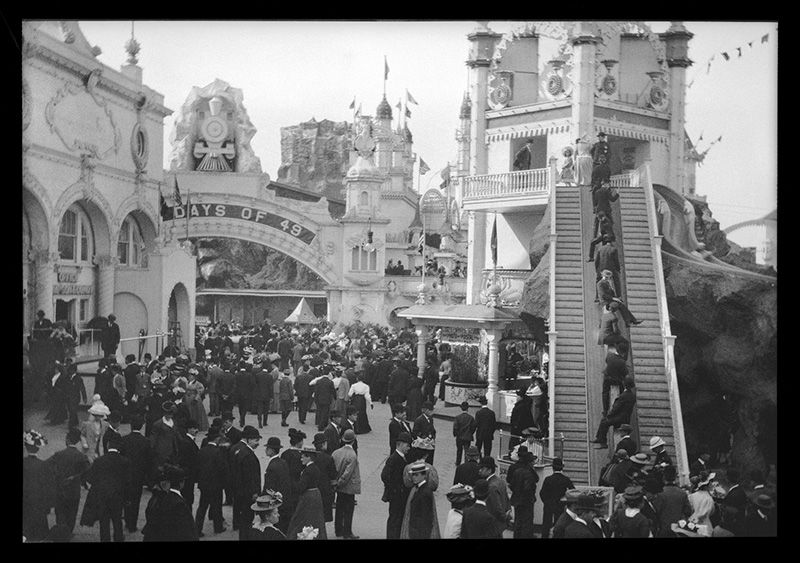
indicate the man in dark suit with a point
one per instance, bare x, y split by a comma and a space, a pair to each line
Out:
247, 481
497, 500
601, 170
69, 467
109, 337
522, 160
522, 482
285, 345
620, 413
608, 296
324, 396
213, 471
226, 383
583, 526
169, 518
467, 472
187, 460
463, 430
671, 504
626, 442
554, 487
348, 423
137, 449
264, 389
421, 506
736, 498
333, 432
109, 477
303, 391
383, 370
398, 383
477, 522
243, 390
423, 427
114, 420
615, 372
606, 257
278, 479
397, 425
395, 492
485, 425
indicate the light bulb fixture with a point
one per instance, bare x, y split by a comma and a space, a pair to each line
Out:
368, 246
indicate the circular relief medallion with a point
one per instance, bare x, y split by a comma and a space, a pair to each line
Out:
658, 97
501, 95
215, 129
555, 85
609, 85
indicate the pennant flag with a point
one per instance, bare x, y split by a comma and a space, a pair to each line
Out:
385, 68
408, 112
176, 194
690, 83
740, 50
165, 212
765, 38
423, 167
750, 44
353, 104
410, 98
358, 111
726, 56
445, 173
718, 139
494, 241
700, 138
399, 105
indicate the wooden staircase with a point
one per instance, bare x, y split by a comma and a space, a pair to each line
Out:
653, 414
570, 389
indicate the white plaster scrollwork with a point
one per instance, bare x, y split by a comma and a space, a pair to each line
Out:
330, 248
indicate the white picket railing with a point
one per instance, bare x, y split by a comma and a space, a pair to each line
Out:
522, 182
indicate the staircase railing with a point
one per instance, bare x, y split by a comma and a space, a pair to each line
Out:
552, 334
644, 177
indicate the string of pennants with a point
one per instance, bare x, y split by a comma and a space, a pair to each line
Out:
727, 55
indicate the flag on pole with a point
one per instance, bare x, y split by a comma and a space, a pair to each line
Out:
399, 105
353, 103
358, 111
494, 241
410, 98
445, 174
408, 112
385, 69
163, 205
176, 193
708, 68
740, 50
726, 56
765, 38
718, 139
423, 167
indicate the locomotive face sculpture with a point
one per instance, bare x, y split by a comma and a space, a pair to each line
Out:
215, 146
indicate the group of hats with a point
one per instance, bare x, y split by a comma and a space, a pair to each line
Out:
33, 438
459, 492
270, 500
423, 443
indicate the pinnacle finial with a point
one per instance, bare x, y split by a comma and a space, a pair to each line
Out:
132, 47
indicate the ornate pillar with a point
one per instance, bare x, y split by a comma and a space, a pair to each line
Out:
584, 52
45, 262
677, 51
106, 267
483, 41
492, 396
422, 340
476, 255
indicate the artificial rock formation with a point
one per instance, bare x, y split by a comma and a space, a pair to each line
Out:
315, 155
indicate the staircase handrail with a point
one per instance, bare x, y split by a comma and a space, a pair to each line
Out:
552, 334
666, 332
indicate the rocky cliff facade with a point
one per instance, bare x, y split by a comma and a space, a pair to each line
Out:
315, 155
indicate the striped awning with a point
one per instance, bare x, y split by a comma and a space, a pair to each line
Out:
527, 130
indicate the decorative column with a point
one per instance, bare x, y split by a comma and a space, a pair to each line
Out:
45, 262
677, 51
476, 255
583, 76
483, 41
422, 340
106, 268
493, 336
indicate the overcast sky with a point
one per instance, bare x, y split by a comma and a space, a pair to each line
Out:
290, 72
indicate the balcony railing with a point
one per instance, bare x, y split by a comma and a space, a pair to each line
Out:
520, 183
625, 180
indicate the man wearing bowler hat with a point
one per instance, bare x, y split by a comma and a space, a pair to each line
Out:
109, 337
395, 492
423, 427
600, 156
497, 500
522, 480
586, 508
247, 480
212, 474
760, 520
467, 472
277, 478
477, 521
169, 517
348, 485
626, 442
485, 425
554, 487
522, 160
164, 436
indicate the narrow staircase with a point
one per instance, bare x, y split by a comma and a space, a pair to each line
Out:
653, 414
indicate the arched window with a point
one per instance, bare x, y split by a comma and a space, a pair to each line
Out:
75, 237
130, 244
363, 198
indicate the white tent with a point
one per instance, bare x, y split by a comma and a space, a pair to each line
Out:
302, 314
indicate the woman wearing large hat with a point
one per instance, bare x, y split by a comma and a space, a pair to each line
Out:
93, 430
628, 521
267, 516
702, 504
37, 488
460, 497
309, 511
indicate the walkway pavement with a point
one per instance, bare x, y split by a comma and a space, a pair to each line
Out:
370, 515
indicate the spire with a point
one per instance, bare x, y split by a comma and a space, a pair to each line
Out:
466, 107
384, 110
132, 47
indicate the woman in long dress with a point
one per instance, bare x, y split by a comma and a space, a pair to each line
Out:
568, 169
414, 397
309, 511
583, 162
92, 430
361, 399
194, 402
702, 504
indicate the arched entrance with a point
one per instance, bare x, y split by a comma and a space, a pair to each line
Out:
35, 248
131, 322
178, 312
399, 322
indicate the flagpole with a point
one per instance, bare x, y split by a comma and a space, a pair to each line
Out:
188, 203
494, 253
419, 169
